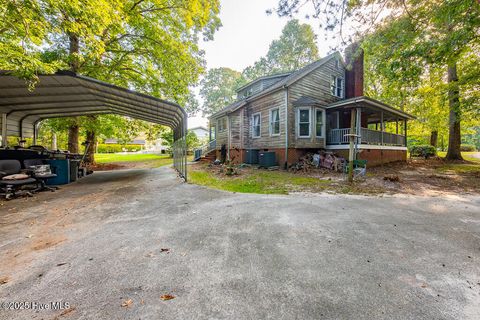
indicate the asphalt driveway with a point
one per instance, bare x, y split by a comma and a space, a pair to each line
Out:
113, 244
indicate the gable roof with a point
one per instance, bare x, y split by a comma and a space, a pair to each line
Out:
287, 81
271, 76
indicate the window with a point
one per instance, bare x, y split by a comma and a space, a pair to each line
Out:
319, 116
337, 64
256, 130
222, 124
303, 127
275, 122
336, 86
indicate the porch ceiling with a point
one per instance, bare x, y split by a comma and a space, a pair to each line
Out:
372, 109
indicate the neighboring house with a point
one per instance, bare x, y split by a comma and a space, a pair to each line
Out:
308, 110
202, 133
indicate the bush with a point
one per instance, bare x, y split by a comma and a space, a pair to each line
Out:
425, 151
115, 147
467, 148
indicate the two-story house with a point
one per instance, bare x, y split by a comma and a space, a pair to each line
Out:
307, 110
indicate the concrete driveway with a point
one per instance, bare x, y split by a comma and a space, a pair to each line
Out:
129, 237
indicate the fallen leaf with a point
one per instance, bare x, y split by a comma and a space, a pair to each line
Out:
4, 280
127, 303
61, 264
424, 285
165, 250
166, 297
150, 255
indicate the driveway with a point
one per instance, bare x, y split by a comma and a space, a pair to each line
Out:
130, 237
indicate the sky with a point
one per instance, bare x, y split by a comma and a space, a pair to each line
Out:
246, 35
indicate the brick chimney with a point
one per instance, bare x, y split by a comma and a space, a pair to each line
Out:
354, 71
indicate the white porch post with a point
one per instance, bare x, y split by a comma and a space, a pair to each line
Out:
359, 125
381, 126
4, 130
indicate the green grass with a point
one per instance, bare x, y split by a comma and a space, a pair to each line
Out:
466, 156
461, 168
263, 182
152, 160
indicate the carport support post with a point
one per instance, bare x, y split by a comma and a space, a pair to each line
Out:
4, 130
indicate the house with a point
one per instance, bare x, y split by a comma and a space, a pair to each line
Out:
202, 133
308, 110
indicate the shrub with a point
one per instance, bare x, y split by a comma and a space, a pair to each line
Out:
115, 147
467, 147
425, 151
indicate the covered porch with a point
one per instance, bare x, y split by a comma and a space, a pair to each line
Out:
375, 123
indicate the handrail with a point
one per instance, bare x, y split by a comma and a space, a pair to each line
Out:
200, 152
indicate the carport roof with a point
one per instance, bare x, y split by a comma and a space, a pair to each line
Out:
65, 94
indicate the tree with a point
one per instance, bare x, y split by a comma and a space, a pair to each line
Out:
147, 45
295, 48
443, 32
217, 89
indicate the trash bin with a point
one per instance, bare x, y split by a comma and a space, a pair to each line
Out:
62, 169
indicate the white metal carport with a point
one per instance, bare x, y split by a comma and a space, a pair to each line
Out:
66, 94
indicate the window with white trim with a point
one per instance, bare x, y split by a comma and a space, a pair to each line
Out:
319, 122
336, 86
275, 121
256, 129
303, 122
222, 124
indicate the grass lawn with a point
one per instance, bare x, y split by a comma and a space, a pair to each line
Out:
258, 181
461, 168
151, 160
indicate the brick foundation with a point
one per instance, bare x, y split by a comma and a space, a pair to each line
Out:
374, 157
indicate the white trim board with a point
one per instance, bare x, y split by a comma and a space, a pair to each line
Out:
364, 146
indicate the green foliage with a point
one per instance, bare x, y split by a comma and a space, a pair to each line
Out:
425, 151
192, 140
295, 48
115, 147
468, 148
217, 89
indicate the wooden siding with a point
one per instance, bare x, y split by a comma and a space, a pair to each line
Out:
315, 85
263, 106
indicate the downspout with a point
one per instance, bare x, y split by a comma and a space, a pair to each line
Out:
286, 127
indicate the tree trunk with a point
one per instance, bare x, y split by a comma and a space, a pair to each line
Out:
434, 138
74, 65
91, 140
73, 138
454, 135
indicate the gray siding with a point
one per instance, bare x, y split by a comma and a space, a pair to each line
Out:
315, 85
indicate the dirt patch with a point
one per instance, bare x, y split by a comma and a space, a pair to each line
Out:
47, 243
108, 166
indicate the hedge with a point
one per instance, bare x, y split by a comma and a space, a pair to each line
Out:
468, 148
115, 147
425, 151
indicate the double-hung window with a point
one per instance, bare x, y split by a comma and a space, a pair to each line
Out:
274, 122
304, 122
222, 124
319, 122
256, 129
336, 86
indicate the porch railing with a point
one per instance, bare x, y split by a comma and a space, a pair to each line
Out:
205, 149
367, 136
